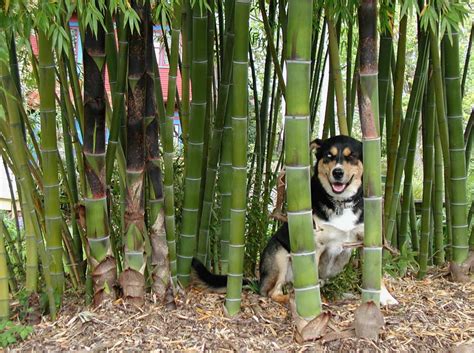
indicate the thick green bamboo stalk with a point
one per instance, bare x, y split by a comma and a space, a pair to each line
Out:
4, 277
186, 36
239, 156
454, 112
412, 109
369, 110
297, 159
336, 71
428, 126
194, 155
49, 153
392, 140
132, 279
101, 259
438, 202
224, 89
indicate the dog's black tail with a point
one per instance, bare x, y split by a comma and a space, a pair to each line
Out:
204, 278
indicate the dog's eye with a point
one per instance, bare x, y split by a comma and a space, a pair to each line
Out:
329, 156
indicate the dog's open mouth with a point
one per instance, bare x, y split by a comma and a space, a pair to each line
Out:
338, 188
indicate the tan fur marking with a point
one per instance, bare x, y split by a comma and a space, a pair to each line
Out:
324, 169
347, 151
333, 150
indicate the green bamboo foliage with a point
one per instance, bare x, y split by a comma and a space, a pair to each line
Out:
194, 154
4, 293
222, 104
239, 156
368, 107
458, 201
167, 133
49, 154
132, 279
102, 261
428, 126
297, 159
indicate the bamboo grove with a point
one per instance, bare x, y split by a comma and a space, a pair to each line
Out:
115, 201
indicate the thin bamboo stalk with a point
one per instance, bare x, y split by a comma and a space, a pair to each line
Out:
408, 124
392, 140
466, 61
407, 187
437, 203
224, 89
4, 278
428, 126
336, 71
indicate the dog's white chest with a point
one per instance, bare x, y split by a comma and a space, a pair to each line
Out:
345, 221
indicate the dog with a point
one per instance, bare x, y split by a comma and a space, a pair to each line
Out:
338, 219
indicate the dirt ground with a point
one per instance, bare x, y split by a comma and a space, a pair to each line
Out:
434, 315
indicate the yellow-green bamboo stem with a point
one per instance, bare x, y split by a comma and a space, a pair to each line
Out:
49, 153
239, 156
297, 158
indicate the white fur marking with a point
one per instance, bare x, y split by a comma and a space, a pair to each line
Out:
345, 222
386, 298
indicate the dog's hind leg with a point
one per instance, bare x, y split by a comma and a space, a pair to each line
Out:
282, 267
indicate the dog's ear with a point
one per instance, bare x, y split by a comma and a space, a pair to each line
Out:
315, 144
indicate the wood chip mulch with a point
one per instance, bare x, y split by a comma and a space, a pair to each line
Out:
434, 315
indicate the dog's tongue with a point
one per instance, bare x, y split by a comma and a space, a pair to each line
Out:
338, 187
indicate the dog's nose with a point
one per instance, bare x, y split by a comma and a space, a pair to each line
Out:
338, 173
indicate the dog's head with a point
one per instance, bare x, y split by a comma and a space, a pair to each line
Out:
339, 165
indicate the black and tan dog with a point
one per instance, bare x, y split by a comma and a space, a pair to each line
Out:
338, 215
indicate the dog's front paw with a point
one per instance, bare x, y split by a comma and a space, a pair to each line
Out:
386, 298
